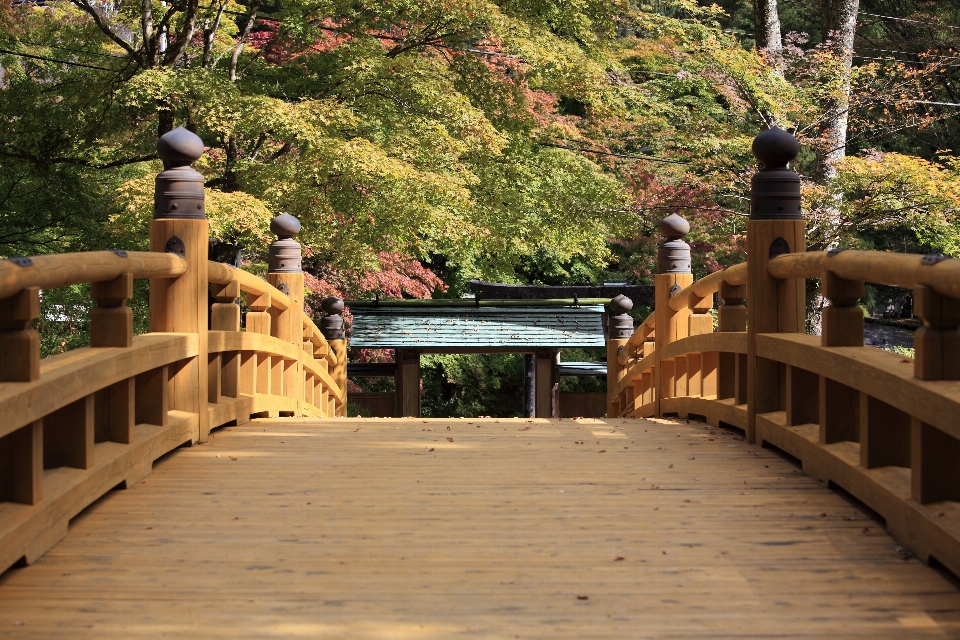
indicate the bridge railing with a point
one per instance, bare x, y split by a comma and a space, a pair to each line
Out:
77, 424
883, 427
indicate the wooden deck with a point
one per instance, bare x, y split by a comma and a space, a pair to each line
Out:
407, 528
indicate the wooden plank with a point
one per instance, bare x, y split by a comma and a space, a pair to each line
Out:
486, 536
115, 412
884, 434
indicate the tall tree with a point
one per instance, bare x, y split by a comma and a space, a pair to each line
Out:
767, 28
839, 28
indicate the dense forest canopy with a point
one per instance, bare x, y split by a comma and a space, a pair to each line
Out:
425, 143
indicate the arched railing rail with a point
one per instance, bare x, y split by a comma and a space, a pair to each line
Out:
75, 425
883, 427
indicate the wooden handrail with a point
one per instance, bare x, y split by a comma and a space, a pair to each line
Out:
894, 269
65, 269
316, 337
708, 285
220, 273
640, 334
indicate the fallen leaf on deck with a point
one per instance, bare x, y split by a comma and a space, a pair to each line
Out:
357, 429
449, 439
618, 558
429, 449
670, 466
232, 458
602, 451
524, 429
583, 597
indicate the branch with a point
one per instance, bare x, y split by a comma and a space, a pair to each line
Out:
82, 4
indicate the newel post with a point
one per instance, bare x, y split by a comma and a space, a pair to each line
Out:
331, 326
775, 227
179, 305
674, 274
285, 273
619, 330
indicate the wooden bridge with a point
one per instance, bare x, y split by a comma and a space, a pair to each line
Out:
819, 480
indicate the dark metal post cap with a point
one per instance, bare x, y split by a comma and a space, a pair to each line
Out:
674, 226
179, 148
621, 304
332, 305
285, 226
775, 148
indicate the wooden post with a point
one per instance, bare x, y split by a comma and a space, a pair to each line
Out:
775, 306
286, 274
937, 342
179, 305
619, 330
673, 276
529, 385
225, 316
546, 366
331, 326
19, 341
111, 322
842, 319
408, 383
731, 316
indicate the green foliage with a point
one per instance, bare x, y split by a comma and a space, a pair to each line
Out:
472, 385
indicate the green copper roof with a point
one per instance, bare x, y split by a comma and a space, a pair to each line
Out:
522, 327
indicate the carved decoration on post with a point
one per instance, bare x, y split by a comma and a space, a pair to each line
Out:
620, 322
179, 187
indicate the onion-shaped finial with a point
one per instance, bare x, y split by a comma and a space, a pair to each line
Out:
674, 226
332, 305
285, 226
774, 148
621, 304
179, 148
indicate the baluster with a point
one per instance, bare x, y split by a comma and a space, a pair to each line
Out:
225, 316
21, 452
935, 474
19, 341
180, 226
731, 316
111, 325
842, 318
937, 343
775, 226
619, 330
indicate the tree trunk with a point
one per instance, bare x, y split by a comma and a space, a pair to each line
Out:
767, 28
839, 27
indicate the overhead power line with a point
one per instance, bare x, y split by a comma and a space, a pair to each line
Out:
46, 59
926, 22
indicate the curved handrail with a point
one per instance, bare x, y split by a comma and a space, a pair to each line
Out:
65, 269
708, 285
318, 340
629, 351
220, 273
894, 269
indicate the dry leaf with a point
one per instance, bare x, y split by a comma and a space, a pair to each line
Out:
670, 466
618, 558
583, 597
524, 429
232, 458
602, 451
429, 449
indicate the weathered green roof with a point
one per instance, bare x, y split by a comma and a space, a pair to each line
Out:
438, 327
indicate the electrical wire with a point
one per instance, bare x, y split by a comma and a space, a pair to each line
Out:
44, 58
926, 22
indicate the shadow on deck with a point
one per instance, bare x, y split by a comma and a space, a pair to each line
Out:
379, 528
